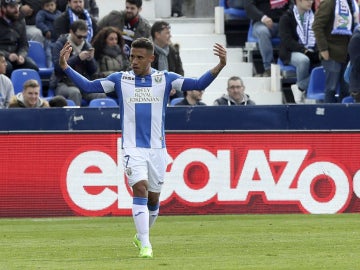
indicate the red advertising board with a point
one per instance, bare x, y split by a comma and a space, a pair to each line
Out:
81, 174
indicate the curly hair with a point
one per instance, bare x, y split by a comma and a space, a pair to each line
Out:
99, 41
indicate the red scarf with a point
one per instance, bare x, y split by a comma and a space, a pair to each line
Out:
278, 3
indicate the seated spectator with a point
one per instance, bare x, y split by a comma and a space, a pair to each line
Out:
109, 51
45, 22
81, 59
29, 97
58, 101
167, 56
298, 45
131, 24
354, 53
89, 5
75, 11
28, 11
265, 15
235, 94
192, 98
13, 40
6, 86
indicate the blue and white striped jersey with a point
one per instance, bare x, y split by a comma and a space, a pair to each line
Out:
142, 100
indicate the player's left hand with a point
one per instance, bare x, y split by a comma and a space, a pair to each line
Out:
220, 51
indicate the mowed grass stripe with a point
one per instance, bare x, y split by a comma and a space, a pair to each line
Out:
184, 242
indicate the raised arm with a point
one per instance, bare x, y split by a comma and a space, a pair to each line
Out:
219, 51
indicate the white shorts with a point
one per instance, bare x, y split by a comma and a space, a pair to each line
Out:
145, 164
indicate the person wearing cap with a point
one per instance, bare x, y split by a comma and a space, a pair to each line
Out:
29, 97
131, 24
13, 40
167, 56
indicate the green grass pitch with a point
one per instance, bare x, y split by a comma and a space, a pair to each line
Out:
184, 242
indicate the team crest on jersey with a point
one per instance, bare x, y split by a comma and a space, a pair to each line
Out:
158, 78
128, 171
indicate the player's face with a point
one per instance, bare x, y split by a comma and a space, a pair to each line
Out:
31, 96
141, 60
131, 11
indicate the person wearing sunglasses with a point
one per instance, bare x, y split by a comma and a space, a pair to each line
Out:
81, 59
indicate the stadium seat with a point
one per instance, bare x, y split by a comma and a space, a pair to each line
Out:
316, 88
237, 12
37, 53
348, 99
175, 101
103, 102
287, 71
250, 38
20, 76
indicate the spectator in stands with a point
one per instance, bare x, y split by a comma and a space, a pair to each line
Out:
45, 22
58, 101
298, 45
28, 10
332, 38
89, 5
265, 15
235, 94
6, 86
167, 56
354, 53
81, 59
176, 8
74, 12
29, 97
131, 24
192, 98
13, 40
109, 51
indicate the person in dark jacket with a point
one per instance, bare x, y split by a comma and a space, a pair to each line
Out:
89, 5
75, 11
192, 98
13, 41
236, 94
298, 45
167, 56
81, 59
265, 16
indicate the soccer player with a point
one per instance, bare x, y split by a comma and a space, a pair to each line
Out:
143, 94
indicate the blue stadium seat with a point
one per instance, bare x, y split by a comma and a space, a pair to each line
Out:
237, 12
37, 53
103, 102
316, 88
175, 101
20, 76
348, 99
287, 71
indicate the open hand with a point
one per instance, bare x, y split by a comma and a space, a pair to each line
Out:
64, 55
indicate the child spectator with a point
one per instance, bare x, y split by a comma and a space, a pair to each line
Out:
45, 22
